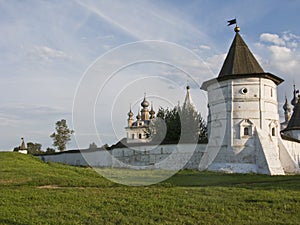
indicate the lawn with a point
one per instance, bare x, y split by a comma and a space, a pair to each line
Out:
34, 192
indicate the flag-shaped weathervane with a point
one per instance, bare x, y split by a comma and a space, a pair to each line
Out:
230, 22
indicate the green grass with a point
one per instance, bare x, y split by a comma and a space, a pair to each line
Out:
33, 192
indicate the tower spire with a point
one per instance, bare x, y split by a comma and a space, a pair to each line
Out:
188, 102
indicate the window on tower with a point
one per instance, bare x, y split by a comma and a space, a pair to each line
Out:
246, 130
271, 92
273, 131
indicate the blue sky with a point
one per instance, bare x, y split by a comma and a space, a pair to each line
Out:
49, 47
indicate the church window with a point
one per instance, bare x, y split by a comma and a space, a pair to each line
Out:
246, 130
140, 136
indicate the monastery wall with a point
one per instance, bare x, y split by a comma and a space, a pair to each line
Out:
293, 149
175, 157
171, 157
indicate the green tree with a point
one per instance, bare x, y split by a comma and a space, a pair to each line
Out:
62, 135
50, 151
16, 149
34, 148
182, 124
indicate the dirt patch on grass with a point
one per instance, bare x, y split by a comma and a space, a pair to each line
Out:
13, 181
49, 186
52, 186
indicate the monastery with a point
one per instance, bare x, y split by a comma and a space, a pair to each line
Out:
245, 134
244, 131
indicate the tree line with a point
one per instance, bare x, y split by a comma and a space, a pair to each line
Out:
178, 125
61, 137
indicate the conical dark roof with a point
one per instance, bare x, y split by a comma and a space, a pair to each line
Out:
239, 59
240, 63
294, 123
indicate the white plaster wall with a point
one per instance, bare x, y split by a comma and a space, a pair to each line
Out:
229, 106
171, 157
293, 149
88, 158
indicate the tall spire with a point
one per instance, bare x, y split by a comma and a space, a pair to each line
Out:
23, 146
188, 102
294, 123
239, 59
240, 63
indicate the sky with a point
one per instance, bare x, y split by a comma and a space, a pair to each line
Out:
87, 61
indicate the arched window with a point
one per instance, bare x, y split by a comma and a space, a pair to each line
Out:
246, 130
273, 126
273, 131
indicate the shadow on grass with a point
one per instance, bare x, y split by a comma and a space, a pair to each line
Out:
10, 222
189, 178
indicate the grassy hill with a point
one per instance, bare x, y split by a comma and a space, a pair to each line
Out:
33, 192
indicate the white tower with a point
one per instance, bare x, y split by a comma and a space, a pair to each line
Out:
23, 148
243, 115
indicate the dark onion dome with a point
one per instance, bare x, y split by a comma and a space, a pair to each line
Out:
286, 105
294, 123
145, 103
295, 99
130, 113
138, 116
152, 112
188, 87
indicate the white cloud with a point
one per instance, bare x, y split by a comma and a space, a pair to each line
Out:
283, 53
48, 54
205, 47
272, 38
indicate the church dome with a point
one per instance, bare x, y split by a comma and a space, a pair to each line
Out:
138, 116
152, 112
286, 105
145, 103
130, 113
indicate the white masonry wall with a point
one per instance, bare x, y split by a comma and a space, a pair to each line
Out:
171, 157
234, 105
294, 150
